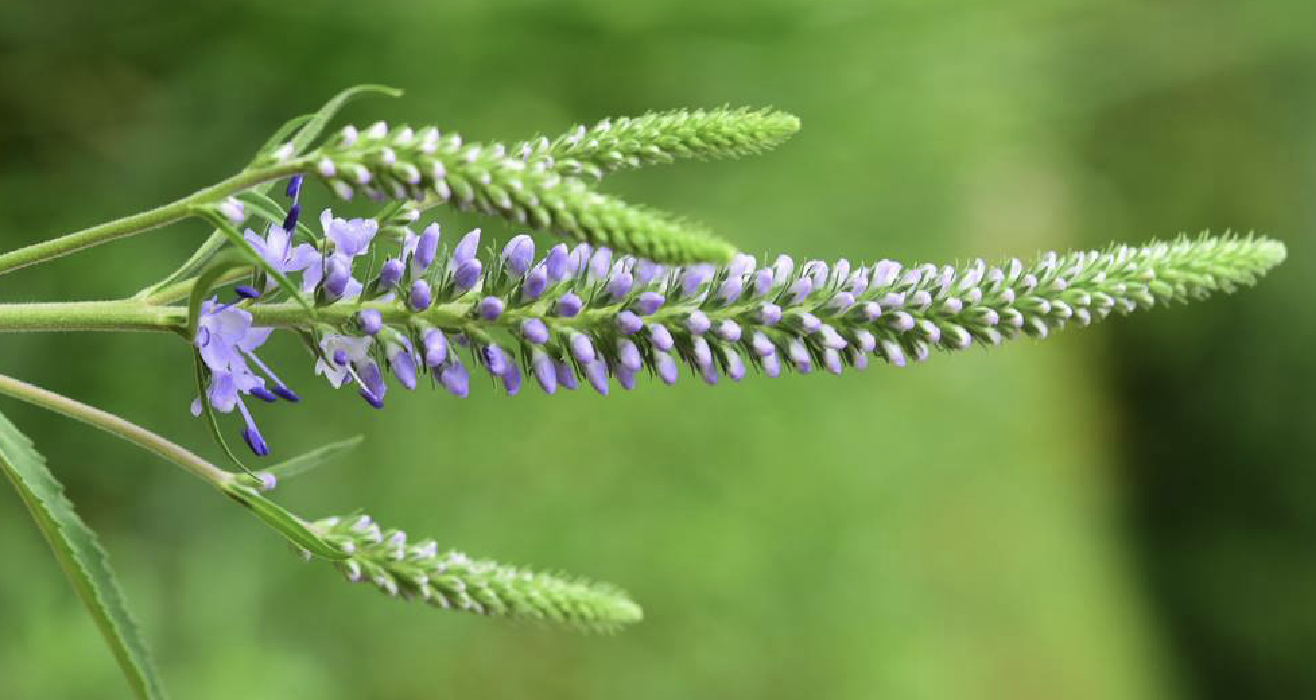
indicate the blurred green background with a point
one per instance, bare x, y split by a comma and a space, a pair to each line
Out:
1122, 512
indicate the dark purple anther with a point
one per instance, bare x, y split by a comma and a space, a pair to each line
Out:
246, 291
294, 188
340, 358
286, 394
255, 441
290, 221
264, 394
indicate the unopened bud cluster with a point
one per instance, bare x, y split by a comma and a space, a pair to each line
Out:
433, 167
417, 570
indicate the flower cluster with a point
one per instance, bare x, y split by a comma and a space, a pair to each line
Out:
432, 167
451, 580
581, 315
660, 137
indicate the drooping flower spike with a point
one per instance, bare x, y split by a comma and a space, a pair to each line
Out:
583, 316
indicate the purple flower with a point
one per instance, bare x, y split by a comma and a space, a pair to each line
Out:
568, 305
597, 374
402, 360
420, 296
535, 283
695, 277
667, 371
489, 308
455, 378
495, 359
620, 285
436, 347
466, 249
648, 302
661, 337
599, 264
557, 262
581, 348
277, 251
391, 273
370, 320
628, 355
534, 331
467, 274
545, 371
518, 254
698, 322
566, 377
628, 323
427, 248
350, 238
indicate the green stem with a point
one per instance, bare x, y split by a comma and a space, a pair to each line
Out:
147, 220
118, 427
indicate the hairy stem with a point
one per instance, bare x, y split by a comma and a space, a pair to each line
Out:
147, 220
118, 427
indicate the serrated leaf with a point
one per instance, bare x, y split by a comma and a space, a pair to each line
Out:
80, 555
315, 458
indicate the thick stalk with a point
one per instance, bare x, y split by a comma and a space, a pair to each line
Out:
147, 220
118, 427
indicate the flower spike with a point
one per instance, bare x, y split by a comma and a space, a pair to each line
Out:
417, 570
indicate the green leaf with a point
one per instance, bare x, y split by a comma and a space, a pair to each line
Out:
315, 458
289, 525
81, 557
282, 134
321, 118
